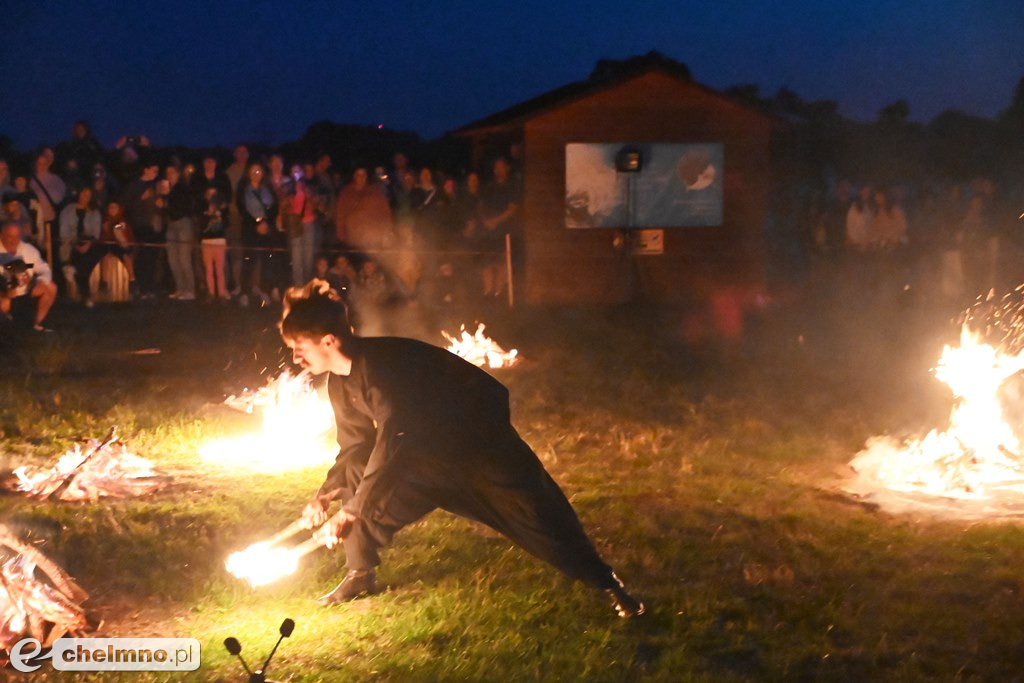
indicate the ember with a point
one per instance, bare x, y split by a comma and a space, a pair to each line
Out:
976, 462
480, 350
105, 469
297, 428
37, 599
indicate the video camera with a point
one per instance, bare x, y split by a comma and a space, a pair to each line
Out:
14, 275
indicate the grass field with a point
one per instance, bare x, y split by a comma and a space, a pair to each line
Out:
708, 476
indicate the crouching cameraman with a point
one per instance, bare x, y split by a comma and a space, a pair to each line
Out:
24, 275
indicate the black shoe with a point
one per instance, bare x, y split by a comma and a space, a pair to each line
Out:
624, 604
356, 584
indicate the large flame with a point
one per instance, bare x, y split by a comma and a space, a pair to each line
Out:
297, 429
978, 456
263, 563
479, 349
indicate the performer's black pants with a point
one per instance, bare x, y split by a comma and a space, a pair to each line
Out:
505, 487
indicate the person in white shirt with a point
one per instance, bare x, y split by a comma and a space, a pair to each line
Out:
36, 282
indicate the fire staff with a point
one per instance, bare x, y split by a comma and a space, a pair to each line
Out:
420, 429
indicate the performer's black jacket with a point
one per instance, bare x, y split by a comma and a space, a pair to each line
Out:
409, 409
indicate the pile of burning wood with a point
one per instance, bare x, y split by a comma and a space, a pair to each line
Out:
103, 469
37, 598
973, 468
479, 349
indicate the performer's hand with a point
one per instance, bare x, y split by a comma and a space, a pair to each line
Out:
335, 529
314, 514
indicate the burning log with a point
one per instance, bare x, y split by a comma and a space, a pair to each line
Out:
37, 598
479, 349
106, 469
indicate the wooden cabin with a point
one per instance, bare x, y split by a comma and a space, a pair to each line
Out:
636, 103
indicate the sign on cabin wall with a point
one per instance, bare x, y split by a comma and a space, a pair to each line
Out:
649, 242
625, 185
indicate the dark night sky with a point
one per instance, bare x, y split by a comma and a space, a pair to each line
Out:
226, 71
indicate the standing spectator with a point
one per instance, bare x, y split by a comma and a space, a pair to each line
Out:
980, 240
949, 215
117, 238
36, 283
499, 209
859, 219
83, 148
213, 242
400, 166
236, 174
181, 235
889, 227
259, 212
50, 192
325, 195
283, 186
5, 178
301, 228
363, 218
212, 177
13, 211
139, 200
103, 190
401, 200
80, 227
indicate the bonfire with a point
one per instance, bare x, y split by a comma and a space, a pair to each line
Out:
479, 349
37, 598
105, 469
974, 467
296, 428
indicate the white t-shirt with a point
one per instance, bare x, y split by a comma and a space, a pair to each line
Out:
29, 254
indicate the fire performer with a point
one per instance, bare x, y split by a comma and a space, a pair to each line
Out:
419, 429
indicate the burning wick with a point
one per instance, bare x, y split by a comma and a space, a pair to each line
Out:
262, 563
265, 562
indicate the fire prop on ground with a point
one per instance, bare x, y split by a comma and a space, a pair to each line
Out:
104, 469
37, 598
480, 350
974, 468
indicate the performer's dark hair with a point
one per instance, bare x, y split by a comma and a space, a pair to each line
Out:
314, 310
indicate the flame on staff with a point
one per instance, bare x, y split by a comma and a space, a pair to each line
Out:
479, 349
978, 456
262, 563
297, 429
266, 561
107, 470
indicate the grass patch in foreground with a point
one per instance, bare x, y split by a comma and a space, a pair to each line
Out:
704, 479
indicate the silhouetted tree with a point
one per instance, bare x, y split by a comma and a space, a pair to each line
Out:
897, 113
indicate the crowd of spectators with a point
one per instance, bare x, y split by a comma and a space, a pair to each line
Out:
945, 241
191, 228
